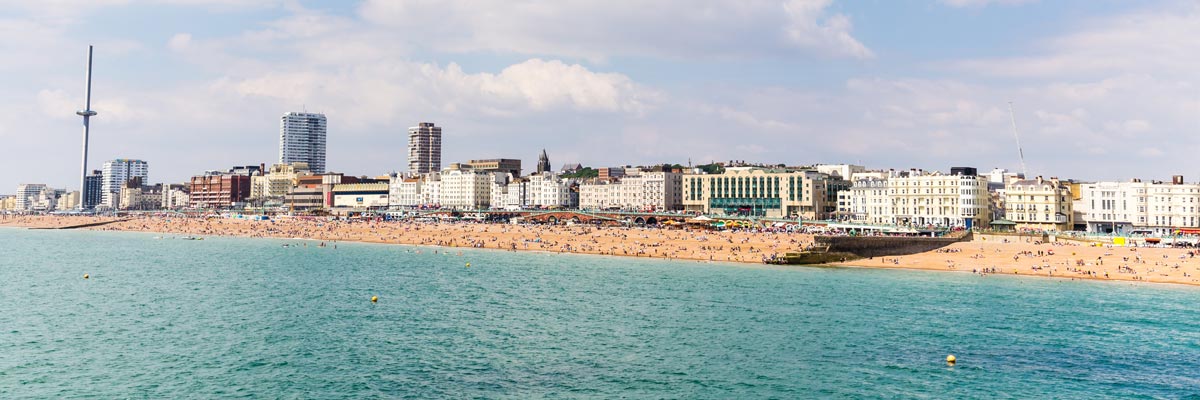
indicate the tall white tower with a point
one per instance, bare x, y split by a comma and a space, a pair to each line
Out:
424, 148
87, 115
302, 139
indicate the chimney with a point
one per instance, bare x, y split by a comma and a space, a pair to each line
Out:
1039, 179
1177, 179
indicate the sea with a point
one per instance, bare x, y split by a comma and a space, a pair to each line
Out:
224, 317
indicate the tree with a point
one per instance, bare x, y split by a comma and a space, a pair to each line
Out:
711, 168
583, 173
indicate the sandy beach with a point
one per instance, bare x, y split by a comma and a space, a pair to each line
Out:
699, 245
985, 255
1025, 255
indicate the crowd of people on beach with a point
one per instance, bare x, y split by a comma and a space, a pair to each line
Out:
983, 255
736, 245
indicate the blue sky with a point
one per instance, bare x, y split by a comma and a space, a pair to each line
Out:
1102, 89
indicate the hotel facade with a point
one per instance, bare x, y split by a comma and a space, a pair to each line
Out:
1039, 204
1135, 206
637, 191
766, 192
958, 199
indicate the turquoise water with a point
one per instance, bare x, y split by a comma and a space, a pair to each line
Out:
232, 317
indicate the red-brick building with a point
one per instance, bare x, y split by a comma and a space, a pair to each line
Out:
219, 191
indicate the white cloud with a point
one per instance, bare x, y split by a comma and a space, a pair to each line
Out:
1146, 42
179, 42
368, 94
597, 30
807, 28
367, 73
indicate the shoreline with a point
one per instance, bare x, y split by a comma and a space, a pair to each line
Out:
635, 242
1013, 256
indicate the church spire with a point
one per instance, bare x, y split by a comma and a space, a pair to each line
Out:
543, 163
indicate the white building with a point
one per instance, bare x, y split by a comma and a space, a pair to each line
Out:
958, 199
361, 196
509, 192
114, 175
404, 192
431, 190
48, 199
599, 195
174, 196
1139, 207
424, 149
465, 189
1039, 204
547, 189
302, 139
639, 191
866, 202
844, 171
27, 195
652, 191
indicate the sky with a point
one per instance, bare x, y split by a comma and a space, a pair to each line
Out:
1100, 89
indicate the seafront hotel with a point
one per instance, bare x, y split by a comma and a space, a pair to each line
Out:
765, 192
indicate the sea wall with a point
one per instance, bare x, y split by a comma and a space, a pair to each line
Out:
881, 246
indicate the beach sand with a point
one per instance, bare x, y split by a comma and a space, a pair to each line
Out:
1067, 259
985, 255
699, 245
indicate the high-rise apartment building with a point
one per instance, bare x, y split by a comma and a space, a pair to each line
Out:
27, 194
92, 194
302, 139
114, 175
424, 148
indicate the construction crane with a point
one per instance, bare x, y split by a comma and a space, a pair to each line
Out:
1020, 151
